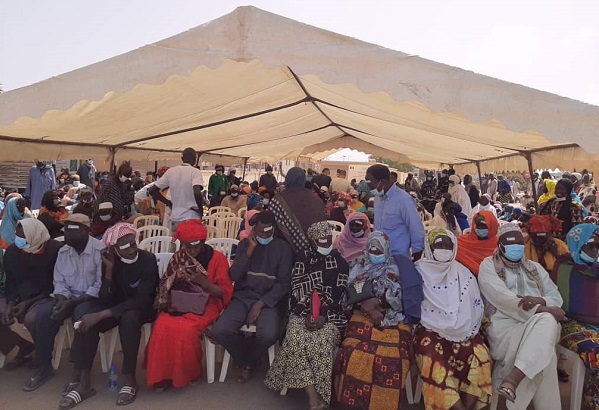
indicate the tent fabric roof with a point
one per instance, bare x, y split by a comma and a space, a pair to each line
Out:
255, 85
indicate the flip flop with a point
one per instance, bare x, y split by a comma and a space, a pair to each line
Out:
162, 386
35, 382
69, 388
126, 395
73, 398
506, 389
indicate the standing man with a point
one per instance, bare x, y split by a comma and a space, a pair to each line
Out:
492, 186
41, 180
262, 275
395, 214
185, 183
233, 180
340, 183
268, 180
87, 173
323, 179
218, 181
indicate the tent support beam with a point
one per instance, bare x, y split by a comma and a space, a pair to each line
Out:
245, 164
111, 158
480, 176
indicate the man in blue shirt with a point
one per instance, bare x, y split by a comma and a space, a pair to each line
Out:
41, 180
395, 214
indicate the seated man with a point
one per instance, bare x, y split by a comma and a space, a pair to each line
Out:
262, 275
29, 266
525, 310
77, 279
234, 200
103, 220
125, 300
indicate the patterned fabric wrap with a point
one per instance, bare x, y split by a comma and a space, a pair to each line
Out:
319, 230
115, 232
577, 238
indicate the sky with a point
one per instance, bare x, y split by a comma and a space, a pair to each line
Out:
551, 45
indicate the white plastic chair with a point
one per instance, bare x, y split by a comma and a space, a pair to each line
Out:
227, 357
335, 235
210, 359
336, 226
160, 244
65, 331
413, 396
35, 213
212, 232
578, 375
222, 215
242, 211
151, 231
217, 209
229, 227
2, 360
146, 220
211, 220
223, 245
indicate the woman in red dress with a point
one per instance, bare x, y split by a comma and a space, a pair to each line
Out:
174, 353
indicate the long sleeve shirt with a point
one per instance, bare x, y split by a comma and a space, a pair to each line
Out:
396, 215
77, 274
266, 276
40, 181
132, 287
218, 183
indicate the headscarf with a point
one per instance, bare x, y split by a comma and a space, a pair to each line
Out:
8, 198
58, 213
552, 248
36, 234
577, 238
9, 221
345, 197
116, 232
452, 304
471, 250
550, 184
459, 195
349, 246
385, 277
247, 228
543, 223
190, 231
295, 178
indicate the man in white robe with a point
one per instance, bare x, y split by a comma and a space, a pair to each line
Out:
524, 307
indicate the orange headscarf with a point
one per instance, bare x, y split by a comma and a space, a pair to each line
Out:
471, 249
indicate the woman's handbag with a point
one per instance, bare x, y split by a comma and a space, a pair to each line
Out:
188, 297
359, 291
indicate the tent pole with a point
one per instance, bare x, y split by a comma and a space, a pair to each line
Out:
528, 156
245, 164
480, 176
111, 159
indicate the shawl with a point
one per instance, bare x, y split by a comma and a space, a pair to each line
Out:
36, 234
459, 195
452, 305
577, 238
9, 221
500, 263
350, 247
550, 184
60, 215
471, 249
247, 229
385, 277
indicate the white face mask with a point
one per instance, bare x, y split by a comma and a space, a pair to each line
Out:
123, 178
265, 201
560, 199
443, 255
358, 234
341, 204
324, 251
75, 183
234, 194
130, 261
105, 218
223, 193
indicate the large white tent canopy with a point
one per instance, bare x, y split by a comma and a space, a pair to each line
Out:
255, 85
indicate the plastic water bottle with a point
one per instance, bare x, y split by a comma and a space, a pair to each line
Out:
113, 379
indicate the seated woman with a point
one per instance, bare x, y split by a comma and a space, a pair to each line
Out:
448, 215
577, 277
385, 294
174, 353
480, 243
342, 209
547, 191
454, 361
356, 204
13, 213
351, 243
103, 219
86, 204
316, 321
540, 246
52, 213
524, 309
564, 208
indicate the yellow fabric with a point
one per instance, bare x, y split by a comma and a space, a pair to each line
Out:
549, 259
550, 184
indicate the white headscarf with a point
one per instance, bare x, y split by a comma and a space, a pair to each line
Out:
459, 195
36, 234
452, 305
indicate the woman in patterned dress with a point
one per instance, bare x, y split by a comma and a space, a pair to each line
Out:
451, 354
316, 321
374, 359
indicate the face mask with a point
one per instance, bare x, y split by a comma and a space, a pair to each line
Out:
75, 183
123, 178
358, 234
324, 251
265, 201
234, 194
560, 199
130, 261
376, 192
429, 178
219, 172
21, 243
222, 193
482, 233
514, 252
376, 259
583, 256
105, 218
269, 172
87, 201
90, 162
62, 180
341, 204
264, 241
443, 255
75, 196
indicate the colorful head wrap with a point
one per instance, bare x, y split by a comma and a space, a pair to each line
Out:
545, 223
190, 231
433, 234
578, 236
508, 227
116, 232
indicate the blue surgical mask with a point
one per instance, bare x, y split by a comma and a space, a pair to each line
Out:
324, 251
376, 192
583, 257
514, 252
482, 233
21, 243
264, 241
377, 259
